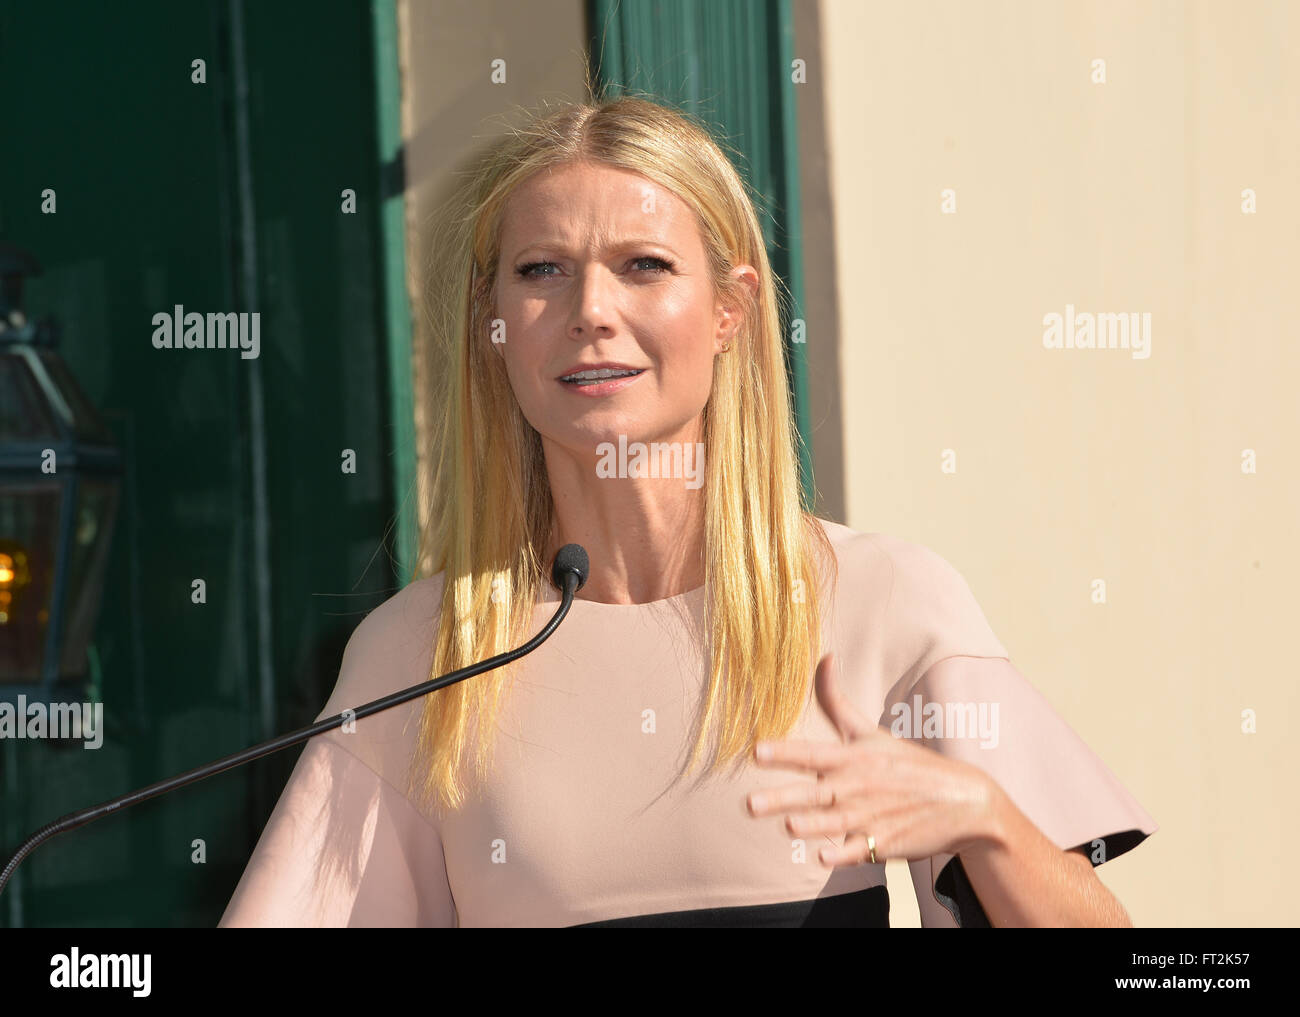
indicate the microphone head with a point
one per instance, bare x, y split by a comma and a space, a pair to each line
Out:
570, 558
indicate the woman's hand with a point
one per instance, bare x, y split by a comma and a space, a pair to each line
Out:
914, 802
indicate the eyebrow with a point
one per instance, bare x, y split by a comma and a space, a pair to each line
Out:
620, 245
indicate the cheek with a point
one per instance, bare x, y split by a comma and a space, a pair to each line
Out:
687, 332
523, 371
531, 309
521, 325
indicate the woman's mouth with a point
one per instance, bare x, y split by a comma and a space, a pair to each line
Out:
601, 381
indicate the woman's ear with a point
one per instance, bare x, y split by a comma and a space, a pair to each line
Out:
730, 316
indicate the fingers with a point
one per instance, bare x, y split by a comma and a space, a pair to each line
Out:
821, 795
856, 851
823, 809
800, 755
827, 823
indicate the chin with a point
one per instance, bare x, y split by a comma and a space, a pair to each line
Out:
583, 438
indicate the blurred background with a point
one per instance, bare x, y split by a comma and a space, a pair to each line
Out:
936, 180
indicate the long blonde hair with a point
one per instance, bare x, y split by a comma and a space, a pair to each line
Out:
490, 510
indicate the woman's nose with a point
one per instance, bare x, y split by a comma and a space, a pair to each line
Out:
592, 303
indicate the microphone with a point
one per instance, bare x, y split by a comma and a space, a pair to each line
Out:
571, 558
569, 573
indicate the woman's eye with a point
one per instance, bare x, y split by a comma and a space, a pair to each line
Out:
666, 266
655, 265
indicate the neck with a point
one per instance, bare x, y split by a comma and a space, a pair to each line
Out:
644, 535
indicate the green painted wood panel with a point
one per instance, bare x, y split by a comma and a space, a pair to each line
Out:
222, 196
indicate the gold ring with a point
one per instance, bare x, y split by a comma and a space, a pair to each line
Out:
871, 846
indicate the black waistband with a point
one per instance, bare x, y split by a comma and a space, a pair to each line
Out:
864, 909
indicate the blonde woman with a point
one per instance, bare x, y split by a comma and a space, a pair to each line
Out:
615, 378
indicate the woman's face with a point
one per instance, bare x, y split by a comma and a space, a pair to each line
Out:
602, 268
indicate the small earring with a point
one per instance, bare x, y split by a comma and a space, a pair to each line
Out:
726, 347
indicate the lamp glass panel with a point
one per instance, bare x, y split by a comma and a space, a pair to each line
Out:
29, 531
87, 425
24, 413
92, 530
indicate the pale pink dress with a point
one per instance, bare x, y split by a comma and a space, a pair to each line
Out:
583, 819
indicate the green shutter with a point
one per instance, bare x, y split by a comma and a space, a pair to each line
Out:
396, 307
728, 63
222, 196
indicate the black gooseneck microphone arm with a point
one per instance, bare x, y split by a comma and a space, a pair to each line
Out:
569, 573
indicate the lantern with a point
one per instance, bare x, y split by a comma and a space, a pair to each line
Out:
60, 478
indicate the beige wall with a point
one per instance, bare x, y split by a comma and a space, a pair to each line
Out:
925, 334
1074, 465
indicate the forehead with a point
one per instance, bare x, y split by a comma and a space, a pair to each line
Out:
585, 204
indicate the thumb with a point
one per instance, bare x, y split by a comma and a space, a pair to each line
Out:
847, 718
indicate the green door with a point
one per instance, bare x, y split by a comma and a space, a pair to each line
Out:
225, 194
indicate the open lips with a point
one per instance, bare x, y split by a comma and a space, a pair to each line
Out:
594, 377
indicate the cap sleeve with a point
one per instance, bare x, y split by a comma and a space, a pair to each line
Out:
344, 846
944, 652
1046, 769
930, 613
